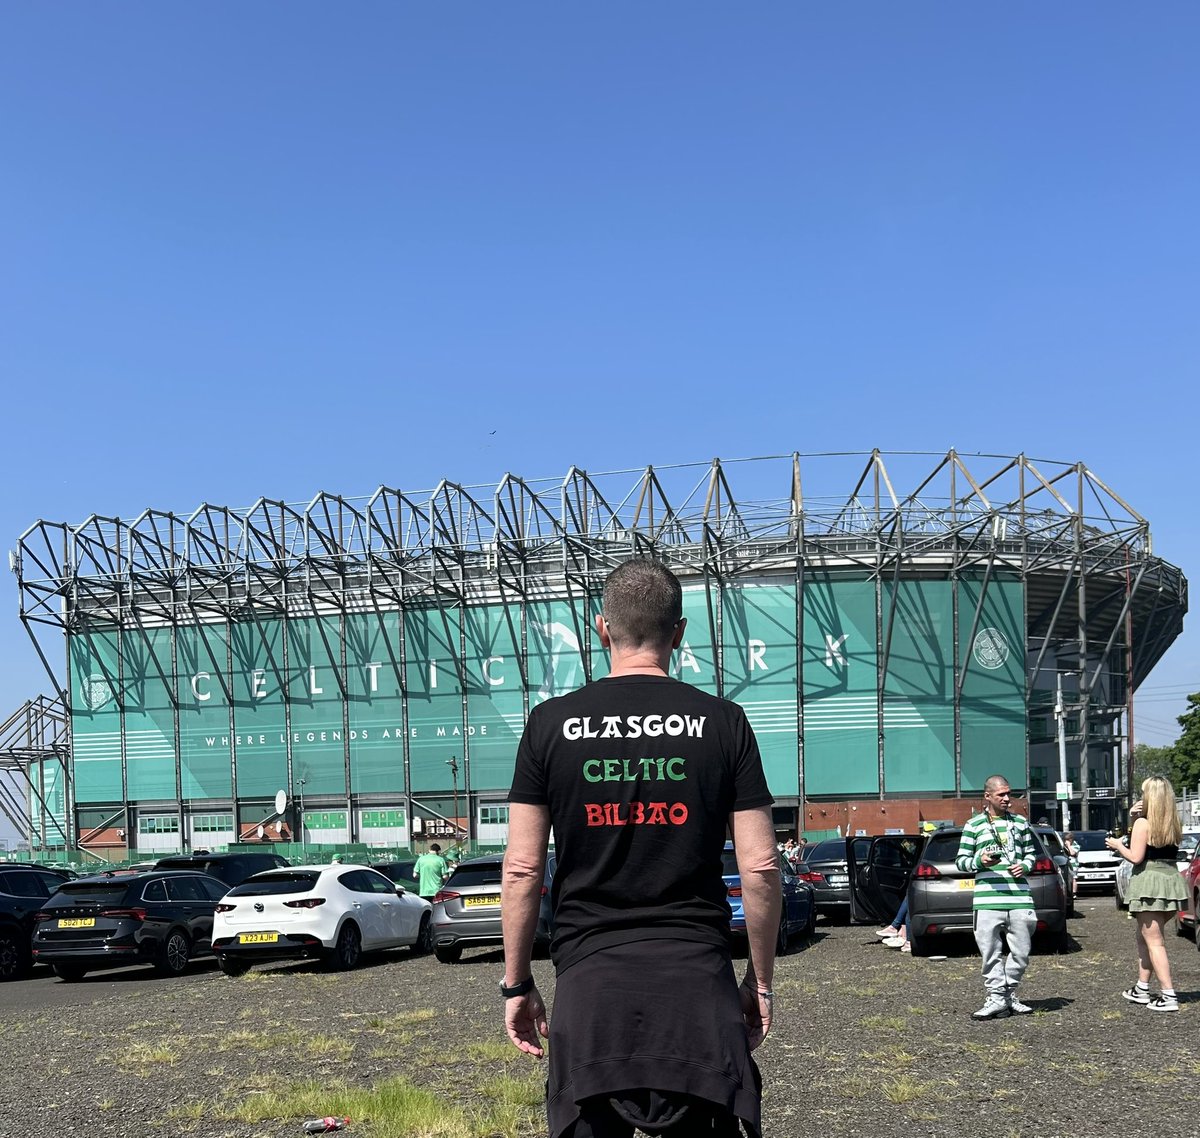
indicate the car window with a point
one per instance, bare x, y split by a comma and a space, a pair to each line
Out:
467, 875
729, 866
155, 891
214, 889
90, 893
377, 883
1091, 840
354, 880
1052, 842
274, 884
832, 850
941, 848
25, 885
897, 855
185, 889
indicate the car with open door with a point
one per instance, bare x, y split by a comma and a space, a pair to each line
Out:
879, 872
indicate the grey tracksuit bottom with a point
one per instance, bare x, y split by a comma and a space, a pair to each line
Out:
1001, 974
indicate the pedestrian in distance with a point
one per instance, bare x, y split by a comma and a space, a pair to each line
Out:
1156, 891
997, 846
430, 871
651, 1029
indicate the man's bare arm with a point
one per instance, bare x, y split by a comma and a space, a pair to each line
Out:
758, 864
520, 900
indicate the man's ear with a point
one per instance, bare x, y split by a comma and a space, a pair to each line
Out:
602, 631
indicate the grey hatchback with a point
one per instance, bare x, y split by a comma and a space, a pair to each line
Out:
466, 911
940, 895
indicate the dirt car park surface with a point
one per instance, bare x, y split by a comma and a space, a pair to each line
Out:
869, 1042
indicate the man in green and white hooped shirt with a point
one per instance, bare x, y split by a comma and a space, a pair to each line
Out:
998, 847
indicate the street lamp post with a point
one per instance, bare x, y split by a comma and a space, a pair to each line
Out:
452, 763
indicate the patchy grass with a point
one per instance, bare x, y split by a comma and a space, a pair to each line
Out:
883, 1023
140, 1056
905, 1089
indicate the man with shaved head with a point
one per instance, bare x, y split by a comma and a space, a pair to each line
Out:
997, 847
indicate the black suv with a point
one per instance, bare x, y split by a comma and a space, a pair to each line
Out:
23, 890
158, 917
232, 868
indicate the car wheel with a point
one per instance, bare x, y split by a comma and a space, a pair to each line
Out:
448, 953
920, 945
15, 960
173, 957
348, 951
423, 945
234, 967
70, 973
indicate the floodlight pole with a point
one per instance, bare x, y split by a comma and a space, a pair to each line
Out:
1060, 716
303, 841
452, 763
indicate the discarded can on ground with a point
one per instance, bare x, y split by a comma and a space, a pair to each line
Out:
325, 1125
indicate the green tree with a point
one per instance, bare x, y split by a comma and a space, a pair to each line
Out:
1148, 760
1187, 746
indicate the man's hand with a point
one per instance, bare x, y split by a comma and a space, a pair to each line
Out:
525, 1020
1017, 870
757, 1013
989, 858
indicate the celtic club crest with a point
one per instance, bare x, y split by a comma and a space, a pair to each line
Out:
991, 648
96, 692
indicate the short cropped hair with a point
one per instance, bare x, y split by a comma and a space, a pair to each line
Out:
643, 603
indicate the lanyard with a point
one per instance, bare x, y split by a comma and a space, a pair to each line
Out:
1007, 844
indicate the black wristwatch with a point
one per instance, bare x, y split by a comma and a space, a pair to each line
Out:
521, 989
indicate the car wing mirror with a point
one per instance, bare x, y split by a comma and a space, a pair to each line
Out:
400, 890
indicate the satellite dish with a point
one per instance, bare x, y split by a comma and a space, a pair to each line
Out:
262, 833
280, 801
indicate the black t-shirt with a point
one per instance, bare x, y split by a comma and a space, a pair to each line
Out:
640, 774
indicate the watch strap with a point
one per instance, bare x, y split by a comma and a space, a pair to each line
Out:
521, 989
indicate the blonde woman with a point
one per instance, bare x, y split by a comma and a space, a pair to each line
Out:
1156, 890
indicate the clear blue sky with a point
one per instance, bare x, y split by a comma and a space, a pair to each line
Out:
276, 249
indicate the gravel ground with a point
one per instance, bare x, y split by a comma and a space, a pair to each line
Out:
869, 1042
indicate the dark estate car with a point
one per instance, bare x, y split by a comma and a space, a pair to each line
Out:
400, 872
158, 917
826, 869
798, 913
466, 911
232, 868
23, 891
939, 894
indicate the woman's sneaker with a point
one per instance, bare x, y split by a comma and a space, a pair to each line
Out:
1136, 995
1162, 1003
884, 934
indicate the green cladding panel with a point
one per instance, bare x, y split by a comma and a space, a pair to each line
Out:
315, 701
205, 740
495, 704
759, 638
95, 716
375, 703
148, 673
695, 660
993, 690
557, 637
918, 687
259, 719
841, 718
435, 707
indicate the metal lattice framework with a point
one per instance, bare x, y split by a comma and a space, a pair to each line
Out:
1084, 554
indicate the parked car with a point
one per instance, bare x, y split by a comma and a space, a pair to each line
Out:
827, 871
333, 913
158, 917
1097, 863
798, 912
23, 891
881, 878
1057, 849
232, 868
1191, 878
940, 895
466, 911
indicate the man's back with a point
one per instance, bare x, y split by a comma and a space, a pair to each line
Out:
640, 774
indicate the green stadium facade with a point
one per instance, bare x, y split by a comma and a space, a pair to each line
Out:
356, 672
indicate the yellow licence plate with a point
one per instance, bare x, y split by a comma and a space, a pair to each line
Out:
77, 923
257, 938
481, 902
966, 883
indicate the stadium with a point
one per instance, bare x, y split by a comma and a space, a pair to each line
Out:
355, 672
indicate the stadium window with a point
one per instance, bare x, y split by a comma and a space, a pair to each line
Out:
493, 815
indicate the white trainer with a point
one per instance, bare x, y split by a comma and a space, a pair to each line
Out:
994, 1007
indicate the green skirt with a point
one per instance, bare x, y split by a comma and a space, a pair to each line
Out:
1156, 887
